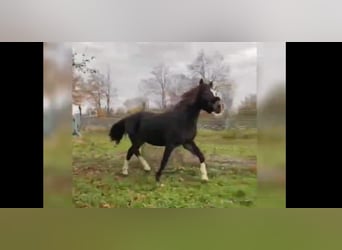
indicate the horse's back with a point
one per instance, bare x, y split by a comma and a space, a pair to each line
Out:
133, 122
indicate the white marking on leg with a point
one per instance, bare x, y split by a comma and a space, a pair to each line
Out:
144, 163
125, 168
203, 169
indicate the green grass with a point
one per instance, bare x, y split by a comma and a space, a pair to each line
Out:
97, 179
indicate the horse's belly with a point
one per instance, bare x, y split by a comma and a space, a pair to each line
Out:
155, 142
155, 138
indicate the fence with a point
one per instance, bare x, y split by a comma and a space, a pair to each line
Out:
212, 123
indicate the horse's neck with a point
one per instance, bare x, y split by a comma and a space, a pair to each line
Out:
191, 114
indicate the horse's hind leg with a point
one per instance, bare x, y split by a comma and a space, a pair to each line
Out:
134, 149
167, 152
128, 157
142, 160
137, 144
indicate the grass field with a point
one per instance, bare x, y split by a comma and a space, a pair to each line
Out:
231, 166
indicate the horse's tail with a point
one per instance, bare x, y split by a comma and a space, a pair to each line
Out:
117, 131
128, 125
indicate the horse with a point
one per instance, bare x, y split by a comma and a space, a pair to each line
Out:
173, 128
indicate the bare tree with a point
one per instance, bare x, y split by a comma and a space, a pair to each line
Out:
158, 84
96, 90
200, 65
209, 67
109, 91
219, 69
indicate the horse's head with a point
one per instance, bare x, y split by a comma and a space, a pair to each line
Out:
208, 98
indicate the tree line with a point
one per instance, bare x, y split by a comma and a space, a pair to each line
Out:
164, 87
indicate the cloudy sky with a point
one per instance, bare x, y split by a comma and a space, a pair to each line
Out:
131, 62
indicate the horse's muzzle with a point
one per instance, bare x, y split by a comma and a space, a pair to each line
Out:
218, 107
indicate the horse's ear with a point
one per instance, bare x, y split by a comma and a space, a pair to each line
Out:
211, 84
201, 81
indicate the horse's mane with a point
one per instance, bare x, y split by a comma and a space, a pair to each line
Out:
188, 98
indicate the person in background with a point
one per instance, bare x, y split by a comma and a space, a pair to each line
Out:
77, 122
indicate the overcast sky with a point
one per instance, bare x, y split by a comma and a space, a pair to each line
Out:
131, 62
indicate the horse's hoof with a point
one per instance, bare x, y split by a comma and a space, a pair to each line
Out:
147, 169
204, 180
125, 173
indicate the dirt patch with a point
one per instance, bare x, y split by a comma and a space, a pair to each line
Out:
89, 171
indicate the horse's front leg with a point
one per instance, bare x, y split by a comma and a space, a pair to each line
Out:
192, 147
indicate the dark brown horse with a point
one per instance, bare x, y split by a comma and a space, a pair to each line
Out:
170, 129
